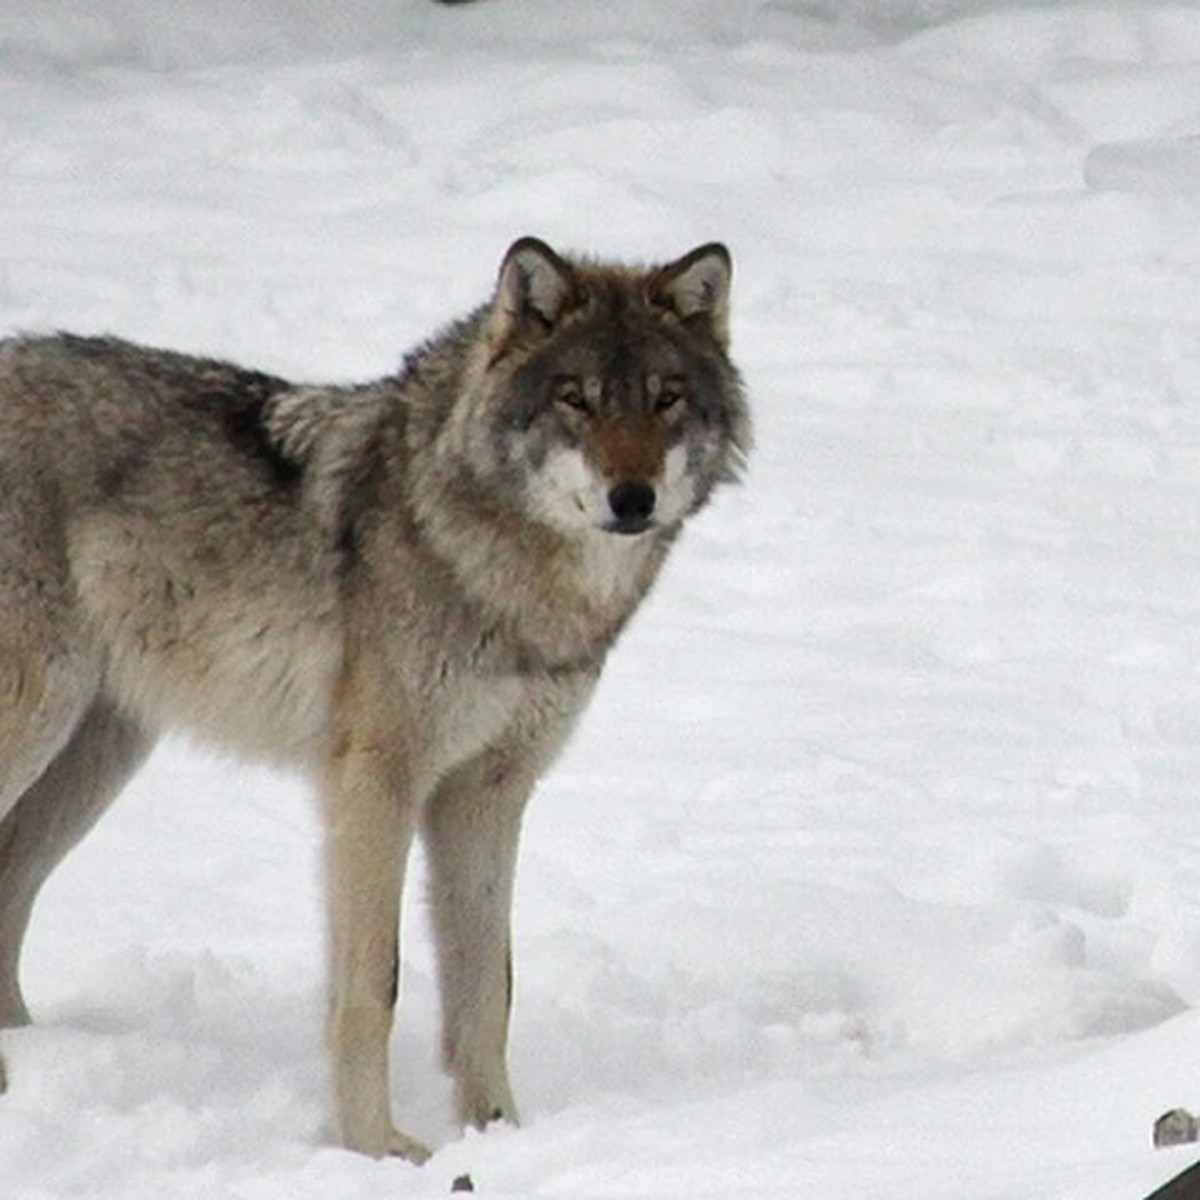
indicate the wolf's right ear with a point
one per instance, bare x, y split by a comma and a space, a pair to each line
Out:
536, 287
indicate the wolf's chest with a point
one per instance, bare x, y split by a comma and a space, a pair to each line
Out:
471, 712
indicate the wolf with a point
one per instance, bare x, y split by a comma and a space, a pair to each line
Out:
406, 589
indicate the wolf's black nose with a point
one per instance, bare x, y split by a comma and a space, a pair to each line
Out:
632, 505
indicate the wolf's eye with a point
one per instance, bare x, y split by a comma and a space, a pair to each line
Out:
569, 392
671, 395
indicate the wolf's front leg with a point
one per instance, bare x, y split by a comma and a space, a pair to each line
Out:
472, 828
369, 828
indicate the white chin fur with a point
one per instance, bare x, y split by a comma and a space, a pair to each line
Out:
567, 493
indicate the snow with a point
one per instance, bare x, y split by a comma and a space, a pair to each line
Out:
874, 870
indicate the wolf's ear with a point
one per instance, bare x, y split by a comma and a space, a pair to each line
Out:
696, 289
536, 287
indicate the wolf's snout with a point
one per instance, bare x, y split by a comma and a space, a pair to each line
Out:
632, 506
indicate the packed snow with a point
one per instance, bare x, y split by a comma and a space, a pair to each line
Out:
874, 870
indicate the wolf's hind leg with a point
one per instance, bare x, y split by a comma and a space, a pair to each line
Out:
42, 698
51, 817
471, 832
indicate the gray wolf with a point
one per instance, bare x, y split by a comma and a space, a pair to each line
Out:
405, 588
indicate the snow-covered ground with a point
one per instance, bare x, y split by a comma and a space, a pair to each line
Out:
875, 869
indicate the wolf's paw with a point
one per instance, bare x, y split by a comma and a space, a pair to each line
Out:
390, 1143
481, 1106
400, 1145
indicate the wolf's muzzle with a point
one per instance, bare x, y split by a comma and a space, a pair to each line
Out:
632, 506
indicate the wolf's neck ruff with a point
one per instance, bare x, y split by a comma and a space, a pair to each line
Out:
558, 601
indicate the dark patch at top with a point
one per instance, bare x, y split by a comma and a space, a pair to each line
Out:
235, 398
242, 419
239, 400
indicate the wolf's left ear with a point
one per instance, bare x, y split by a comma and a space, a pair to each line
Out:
536, 287
696, 289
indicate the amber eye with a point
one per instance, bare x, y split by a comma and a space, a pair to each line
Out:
568, 391
673, 393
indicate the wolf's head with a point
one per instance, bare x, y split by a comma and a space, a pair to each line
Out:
609, 399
